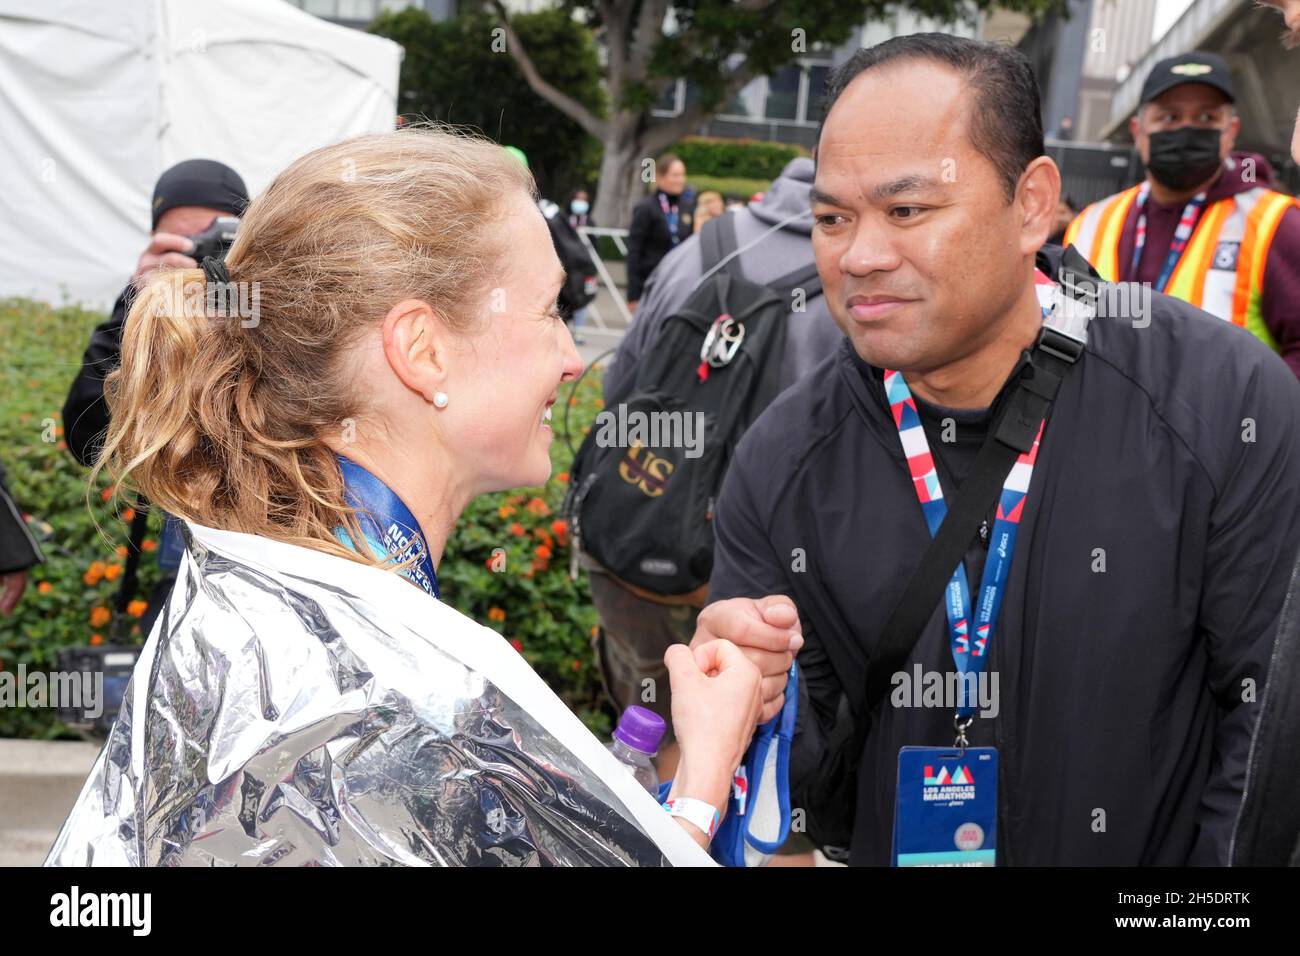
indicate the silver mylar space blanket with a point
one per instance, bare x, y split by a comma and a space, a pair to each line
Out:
292, 708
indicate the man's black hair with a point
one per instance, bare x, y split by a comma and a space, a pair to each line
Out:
1005, 121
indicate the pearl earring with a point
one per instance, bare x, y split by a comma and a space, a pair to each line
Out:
440, 399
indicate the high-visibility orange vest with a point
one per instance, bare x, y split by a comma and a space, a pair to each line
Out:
1222, 268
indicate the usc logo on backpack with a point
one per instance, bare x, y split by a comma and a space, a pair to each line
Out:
647, 472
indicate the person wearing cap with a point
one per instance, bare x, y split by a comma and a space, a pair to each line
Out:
186, 200
1201, 227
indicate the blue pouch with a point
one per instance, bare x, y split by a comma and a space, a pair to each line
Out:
757, 821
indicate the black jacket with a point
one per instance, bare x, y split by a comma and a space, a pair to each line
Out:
85, 413
18, 547
1121, 691
649, 239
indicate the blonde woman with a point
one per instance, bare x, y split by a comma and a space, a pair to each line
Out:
305, 698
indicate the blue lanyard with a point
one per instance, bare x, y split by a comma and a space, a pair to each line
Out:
673, 217
969, 656
390, 529
1186, 225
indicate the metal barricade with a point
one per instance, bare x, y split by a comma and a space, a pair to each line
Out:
607, 282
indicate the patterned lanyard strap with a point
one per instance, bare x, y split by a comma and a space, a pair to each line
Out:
1186, 225
670, 212
969, 657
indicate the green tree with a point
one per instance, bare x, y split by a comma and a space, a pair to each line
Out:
458, 71
716, 45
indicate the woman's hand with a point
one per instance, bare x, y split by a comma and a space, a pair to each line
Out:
717, 697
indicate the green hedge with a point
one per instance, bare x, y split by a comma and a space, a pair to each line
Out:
735, 186
735, 158
525, 592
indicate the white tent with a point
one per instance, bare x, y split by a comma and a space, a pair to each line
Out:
98, 97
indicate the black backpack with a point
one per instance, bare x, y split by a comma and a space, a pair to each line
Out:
643, 484
580, 284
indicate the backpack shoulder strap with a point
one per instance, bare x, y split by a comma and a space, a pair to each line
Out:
718, 240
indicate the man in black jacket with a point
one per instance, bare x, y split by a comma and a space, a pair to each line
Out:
1159, 528
19, 551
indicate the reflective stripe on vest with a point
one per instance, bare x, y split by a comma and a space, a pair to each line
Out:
1222, 269
1096, 231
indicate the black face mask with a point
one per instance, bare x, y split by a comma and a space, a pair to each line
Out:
1181, 158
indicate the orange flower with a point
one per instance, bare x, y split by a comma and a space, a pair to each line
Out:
112, 572
96, 639
121, 551
540, 564
505, 511
543, 552
137, 608
517, 529
576, 665
538, 507
544, 537
149, 544
560, 527
90, 579
562, 477
106, 494
594, 630
128, 514
45, 587
496, 614
100, 616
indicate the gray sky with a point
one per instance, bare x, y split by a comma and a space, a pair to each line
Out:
1167, 13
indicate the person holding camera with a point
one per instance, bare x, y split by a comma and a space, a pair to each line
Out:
187, 201
193, 205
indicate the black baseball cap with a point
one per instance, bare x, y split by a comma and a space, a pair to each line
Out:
1194, 67
199, 182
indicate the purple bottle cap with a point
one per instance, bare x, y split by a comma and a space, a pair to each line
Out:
641, 729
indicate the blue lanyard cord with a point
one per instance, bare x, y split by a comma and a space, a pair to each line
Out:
390, 529
1182, 235
670, 211
970, 646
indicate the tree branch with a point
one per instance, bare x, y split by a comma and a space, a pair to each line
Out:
561, 101
648, 28
615, 17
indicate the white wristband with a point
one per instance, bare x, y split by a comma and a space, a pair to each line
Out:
697, 813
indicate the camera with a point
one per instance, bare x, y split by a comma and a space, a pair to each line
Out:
215, 240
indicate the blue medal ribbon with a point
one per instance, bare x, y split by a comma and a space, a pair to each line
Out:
390, 529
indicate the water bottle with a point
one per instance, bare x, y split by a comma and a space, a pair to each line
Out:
636, 741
